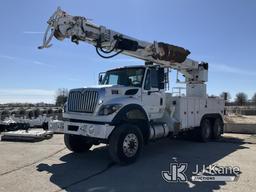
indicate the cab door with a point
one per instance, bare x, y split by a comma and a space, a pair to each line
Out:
153, 93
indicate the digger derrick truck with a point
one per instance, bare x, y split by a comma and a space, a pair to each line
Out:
131, 105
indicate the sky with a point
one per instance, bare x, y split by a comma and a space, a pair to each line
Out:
222, 33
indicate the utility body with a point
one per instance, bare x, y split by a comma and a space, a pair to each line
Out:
132, 105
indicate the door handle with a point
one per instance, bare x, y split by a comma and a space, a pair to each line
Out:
161, 101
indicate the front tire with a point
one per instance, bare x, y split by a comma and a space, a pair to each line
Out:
125, 144
77, 143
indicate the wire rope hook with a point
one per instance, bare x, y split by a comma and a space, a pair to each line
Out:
52, 25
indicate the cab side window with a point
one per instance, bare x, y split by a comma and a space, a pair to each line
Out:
154, 78
151, 79
147, 81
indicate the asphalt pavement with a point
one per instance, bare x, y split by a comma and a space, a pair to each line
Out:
49, 166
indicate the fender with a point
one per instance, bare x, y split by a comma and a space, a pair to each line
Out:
135, 114
212, 117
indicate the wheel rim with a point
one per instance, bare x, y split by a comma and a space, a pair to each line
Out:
130, 145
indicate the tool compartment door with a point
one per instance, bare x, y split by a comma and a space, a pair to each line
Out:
197, 112
191, 112
183, 112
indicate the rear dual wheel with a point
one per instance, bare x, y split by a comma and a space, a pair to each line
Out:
217, 128
209, 130
205, 130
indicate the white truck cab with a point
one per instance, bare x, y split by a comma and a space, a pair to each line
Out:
130, 89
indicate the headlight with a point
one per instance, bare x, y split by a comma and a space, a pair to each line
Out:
100, 102
109, 109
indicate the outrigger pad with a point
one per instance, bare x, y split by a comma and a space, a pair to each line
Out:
29, 136
171, 53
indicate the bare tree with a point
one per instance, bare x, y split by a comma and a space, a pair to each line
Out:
22, 112
50, 111
228, 95
36, 112
241, 98
30, 114
5, 113
61, 98
254, 99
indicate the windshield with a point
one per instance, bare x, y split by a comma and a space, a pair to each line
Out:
125, 76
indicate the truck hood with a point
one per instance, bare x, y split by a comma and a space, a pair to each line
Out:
113, 90
103, 86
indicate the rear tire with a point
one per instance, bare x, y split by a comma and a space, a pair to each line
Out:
217, 128
77, 143
205, 130
125, 144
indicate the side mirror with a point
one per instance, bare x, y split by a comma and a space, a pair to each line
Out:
100, 79
161, 78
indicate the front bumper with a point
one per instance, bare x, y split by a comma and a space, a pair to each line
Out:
101, 131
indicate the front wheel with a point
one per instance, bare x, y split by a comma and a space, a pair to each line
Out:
77, 143
125, 144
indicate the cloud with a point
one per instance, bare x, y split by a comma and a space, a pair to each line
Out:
32, 92
7, 57
42, 64
229, 69
33, 32
26, 61
74, 79
27, 95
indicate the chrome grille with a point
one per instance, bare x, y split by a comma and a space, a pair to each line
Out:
83, 101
